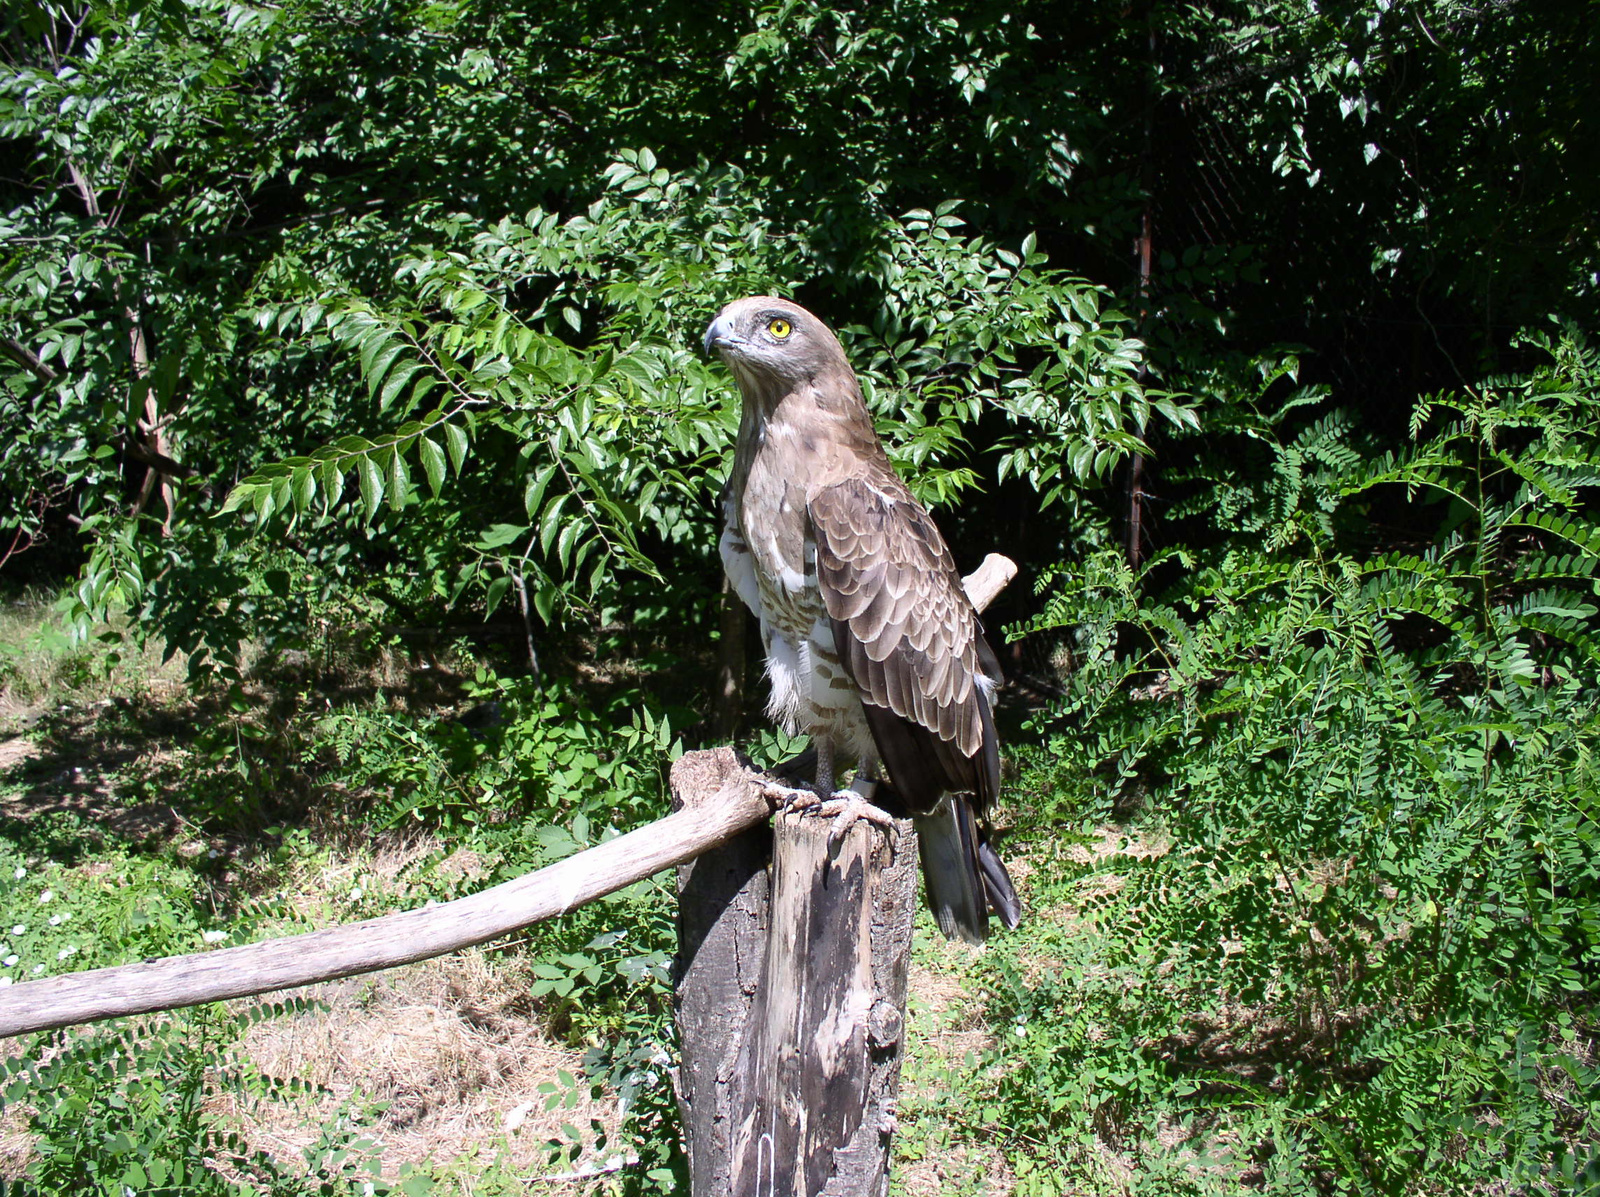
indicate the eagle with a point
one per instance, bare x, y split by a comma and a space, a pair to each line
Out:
872, 646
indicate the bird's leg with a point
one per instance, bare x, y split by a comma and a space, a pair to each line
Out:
844, 807
824, 764
847, 806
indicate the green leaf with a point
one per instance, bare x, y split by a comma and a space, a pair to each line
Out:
544, 602
396, 383
550, 523
455, 439
565, 541
497, 591
534, 494
371, 480
305, 489
332, 482
433, 463
500, 535
241, 494
380, 367
399, 481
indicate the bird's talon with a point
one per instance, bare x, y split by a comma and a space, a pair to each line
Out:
790, 799
846, 807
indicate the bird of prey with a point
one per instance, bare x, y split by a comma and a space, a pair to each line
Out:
873, 647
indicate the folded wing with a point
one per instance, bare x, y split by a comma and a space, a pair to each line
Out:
909, 638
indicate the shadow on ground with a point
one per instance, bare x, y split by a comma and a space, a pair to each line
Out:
162, 762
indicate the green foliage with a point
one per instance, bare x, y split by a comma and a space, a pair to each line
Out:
1350, 943
553, 767
622, 437
285, 244
327, 323
346, 369
617, 991
127, 1110
58, 920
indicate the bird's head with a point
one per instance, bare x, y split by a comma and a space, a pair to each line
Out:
773, 345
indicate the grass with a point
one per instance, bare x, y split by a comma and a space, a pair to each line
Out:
942, 1148
42, 670
138, 818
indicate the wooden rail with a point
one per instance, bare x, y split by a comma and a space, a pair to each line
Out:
384, 942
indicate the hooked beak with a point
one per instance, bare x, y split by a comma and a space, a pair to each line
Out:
720, 335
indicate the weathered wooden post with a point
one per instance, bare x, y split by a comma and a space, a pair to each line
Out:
790, 989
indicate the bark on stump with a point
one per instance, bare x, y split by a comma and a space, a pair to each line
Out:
790, 997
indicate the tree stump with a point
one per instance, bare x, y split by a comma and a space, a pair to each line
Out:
790, 995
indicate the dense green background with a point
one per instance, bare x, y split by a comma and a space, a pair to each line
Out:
332, 328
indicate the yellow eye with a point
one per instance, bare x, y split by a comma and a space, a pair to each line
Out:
779, 327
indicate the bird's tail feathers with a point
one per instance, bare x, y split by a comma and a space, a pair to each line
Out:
947, 841
997, 885
964, 875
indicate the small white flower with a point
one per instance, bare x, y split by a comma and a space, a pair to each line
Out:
11, 960
20, 873
213, 936
212, 854
55, 920
4, 981
355, 892
49, 895
20, 929
65, 952
37, 969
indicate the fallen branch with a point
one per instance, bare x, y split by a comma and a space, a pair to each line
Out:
412, 935
384, 942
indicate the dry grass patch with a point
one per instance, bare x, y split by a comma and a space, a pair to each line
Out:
16, 1141
15, 751
964, 1167
944, 1026
452, 1046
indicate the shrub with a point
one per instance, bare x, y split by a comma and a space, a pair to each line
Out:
1348, 944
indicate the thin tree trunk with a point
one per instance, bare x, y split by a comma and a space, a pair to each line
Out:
150, 426
521, 584
732, 619
1135, 492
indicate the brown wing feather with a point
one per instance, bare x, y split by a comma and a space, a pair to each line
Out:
909, 638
